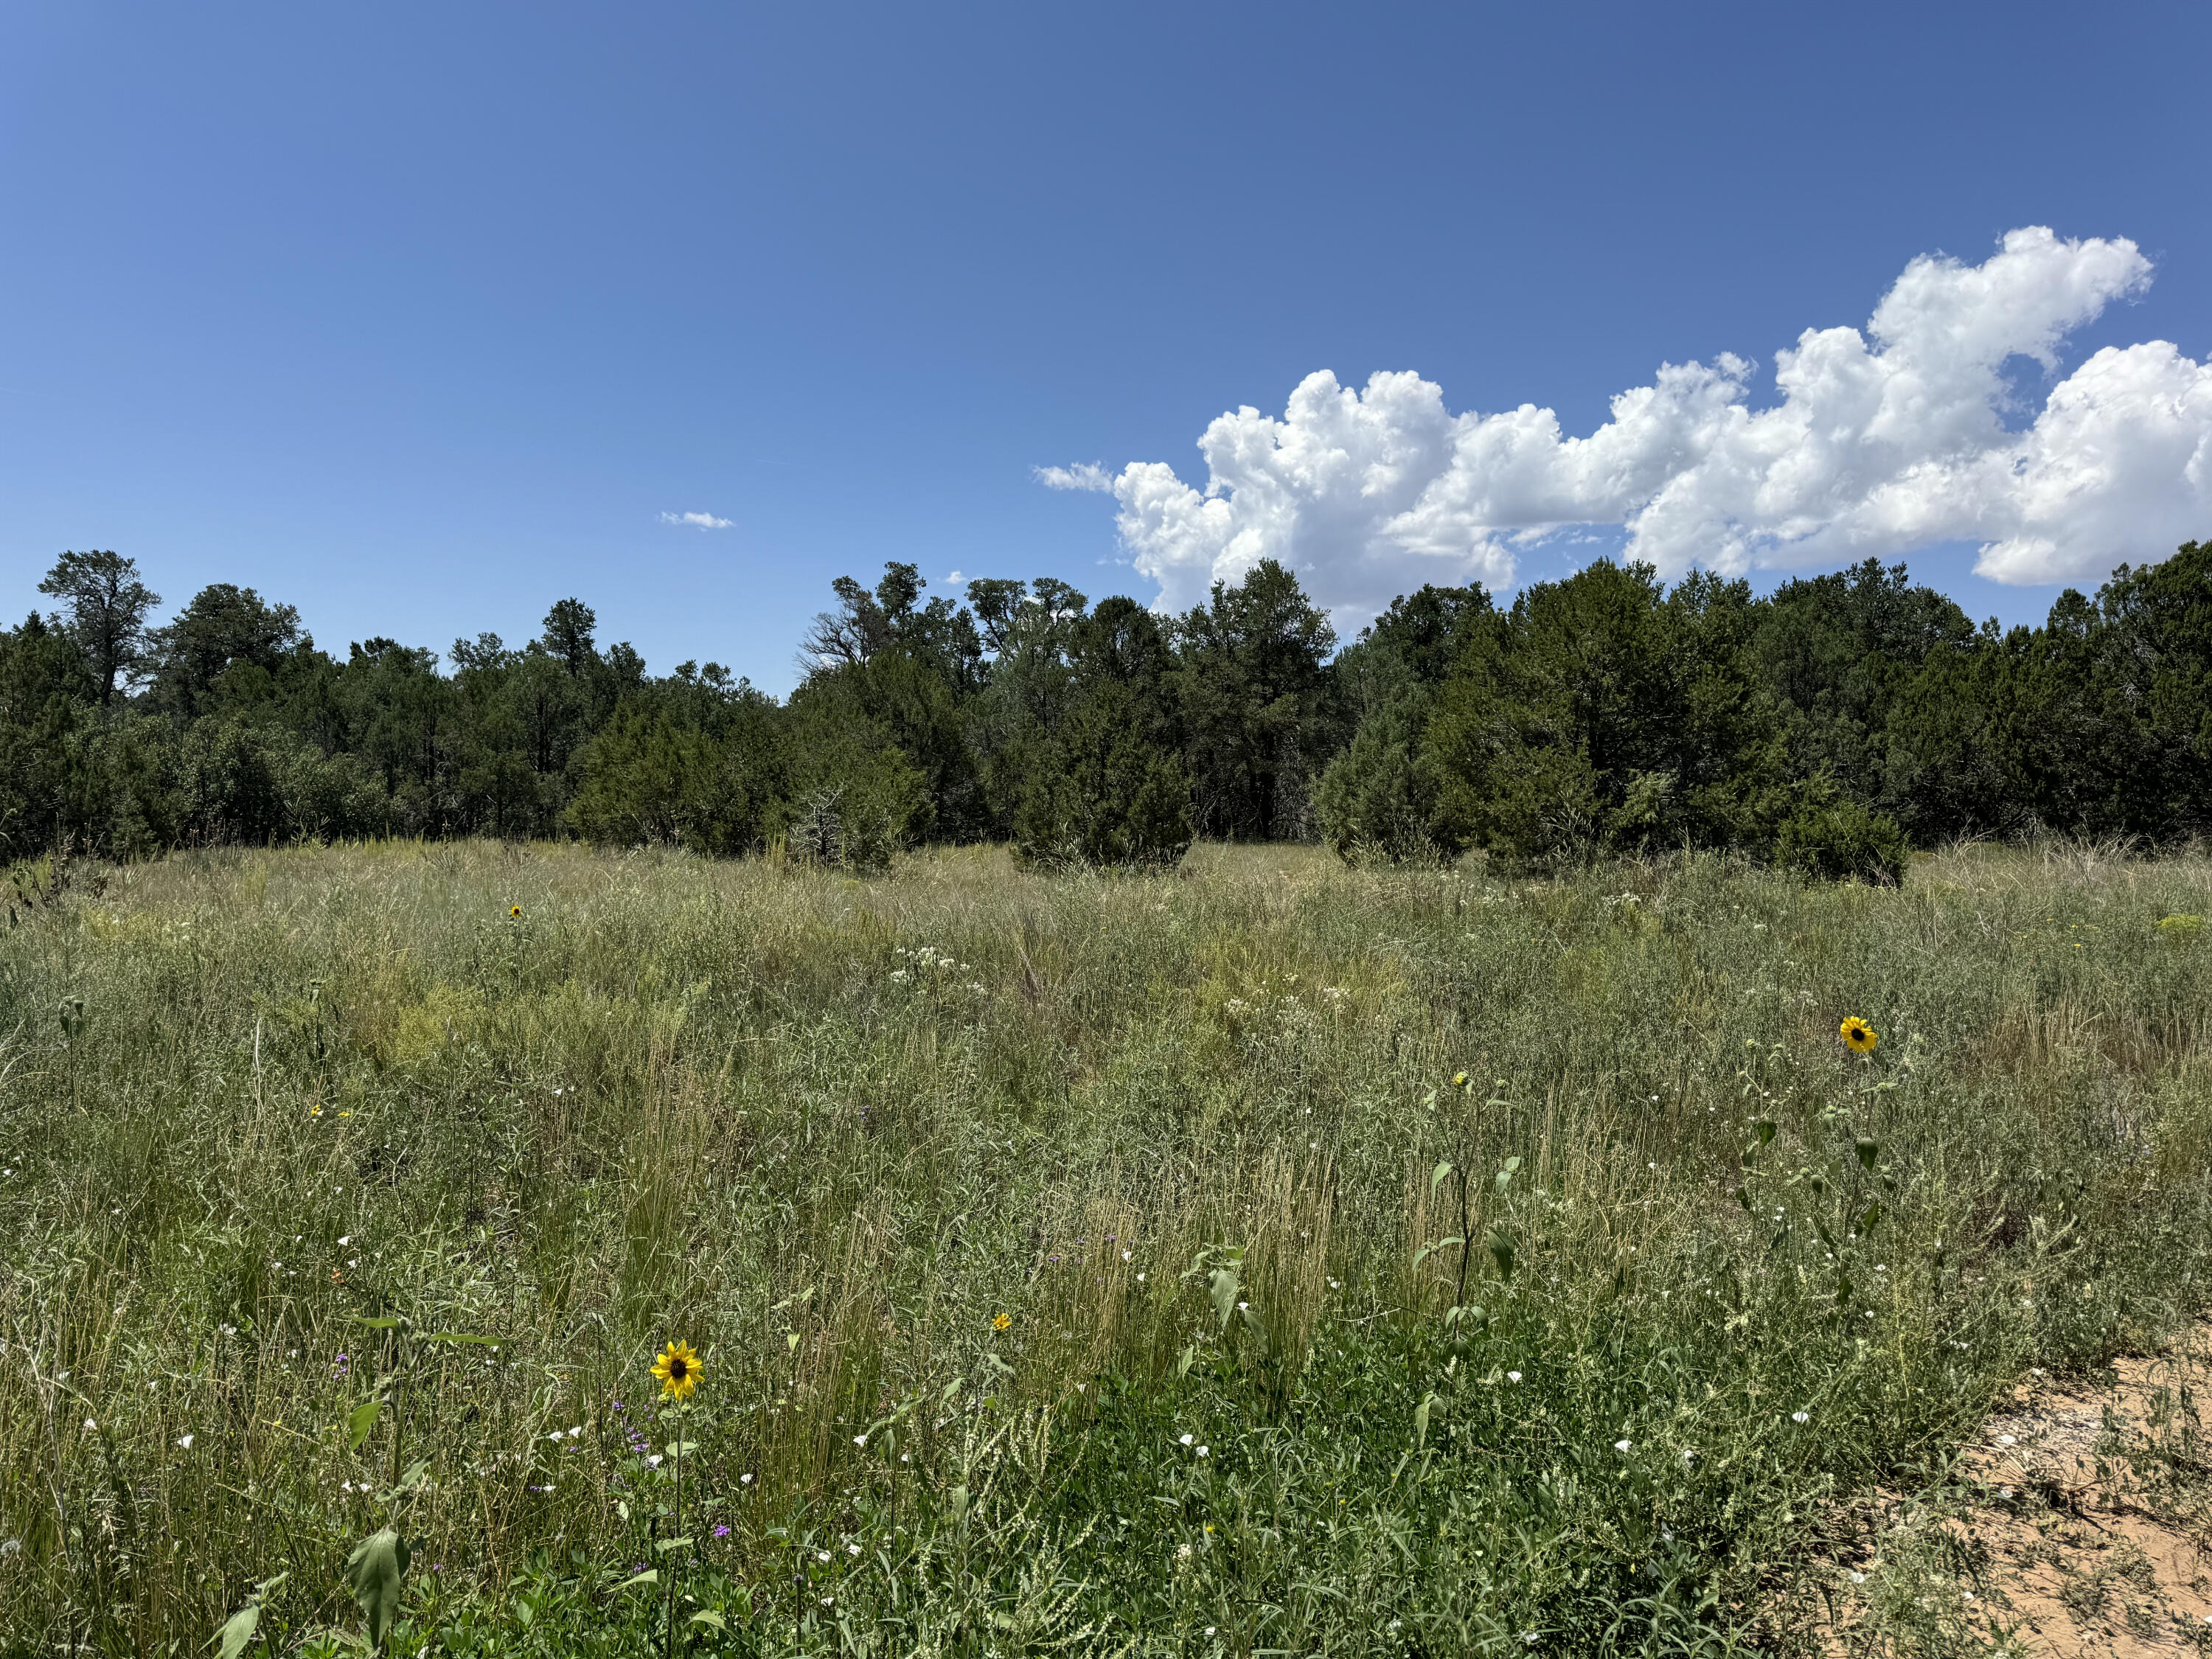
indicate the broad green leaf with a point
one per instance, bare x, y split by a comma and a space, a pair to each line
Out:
1223, 1289
378, 1562
1501, 1252
360, 1420
1435, 1178
416, 1474
668, 1544
238, 1630
1868, 1150
709, 1617
463, 1336
1440, 1244
1765, 1130
382, 1322
1421, 1419
650, 1576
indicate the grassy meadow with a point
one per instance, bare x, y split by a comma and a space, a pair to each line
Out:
1080, 1266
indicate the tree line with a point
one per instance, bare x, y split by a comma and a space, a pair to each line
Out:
1829, 726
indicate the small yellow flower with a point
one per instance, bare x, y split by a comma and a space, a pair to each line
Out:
1002, 1322
679, 1370
1459, 1080
1859, 1036
514, 912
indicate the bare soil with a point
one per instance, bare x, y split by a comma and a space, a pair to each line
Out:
2079, 1523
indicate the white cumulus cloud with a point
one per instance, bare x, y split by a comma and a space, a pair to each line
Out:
695, 520
1083, 474
1881, 440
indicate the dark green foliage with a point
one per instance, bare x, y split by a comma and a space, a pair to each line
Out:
1253, 695
226, 646
1380, 800
1601, 714
107, 609
1837, 647
1604, 714
45, 686
1841, 840
651, 777
1102, 792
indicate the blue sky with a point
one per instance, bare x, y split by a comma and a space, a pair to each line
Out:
420, 317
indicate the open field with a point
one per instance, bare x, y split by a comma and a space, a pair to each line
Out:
1078, 1265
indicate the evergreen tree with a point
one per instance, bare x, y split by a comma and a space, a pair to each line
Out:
107, 615
1255, 698
225, 628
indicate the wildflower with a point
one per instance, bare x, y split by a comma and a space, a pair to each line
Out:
721, 1532
1201, 1451
1002, 1322
860, 1440
91, 1426
1459, 1080
1184, 1441
2004, 1440
745, 1481
184, 1441
1858, 1036
1622, 1446
678, 1370
851, 1549
1801, 1417
514, 912
1512, 1377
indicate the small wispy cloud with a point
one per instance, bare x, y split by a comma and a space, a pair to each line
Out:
1083, 474
695, 520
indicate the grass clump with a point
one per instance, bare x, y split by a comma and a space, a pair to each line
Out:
1276, 1257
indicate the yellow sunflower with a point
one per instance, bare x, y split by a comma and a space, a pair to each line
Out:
1002, 1322
1459, 1080
514, 911
1859, 1036
679, 1369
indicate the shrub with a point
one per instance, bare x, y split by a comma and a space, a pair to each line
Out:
1843, 840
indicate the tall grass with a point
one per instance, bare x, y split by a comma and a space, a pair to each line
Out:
1305, 1346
